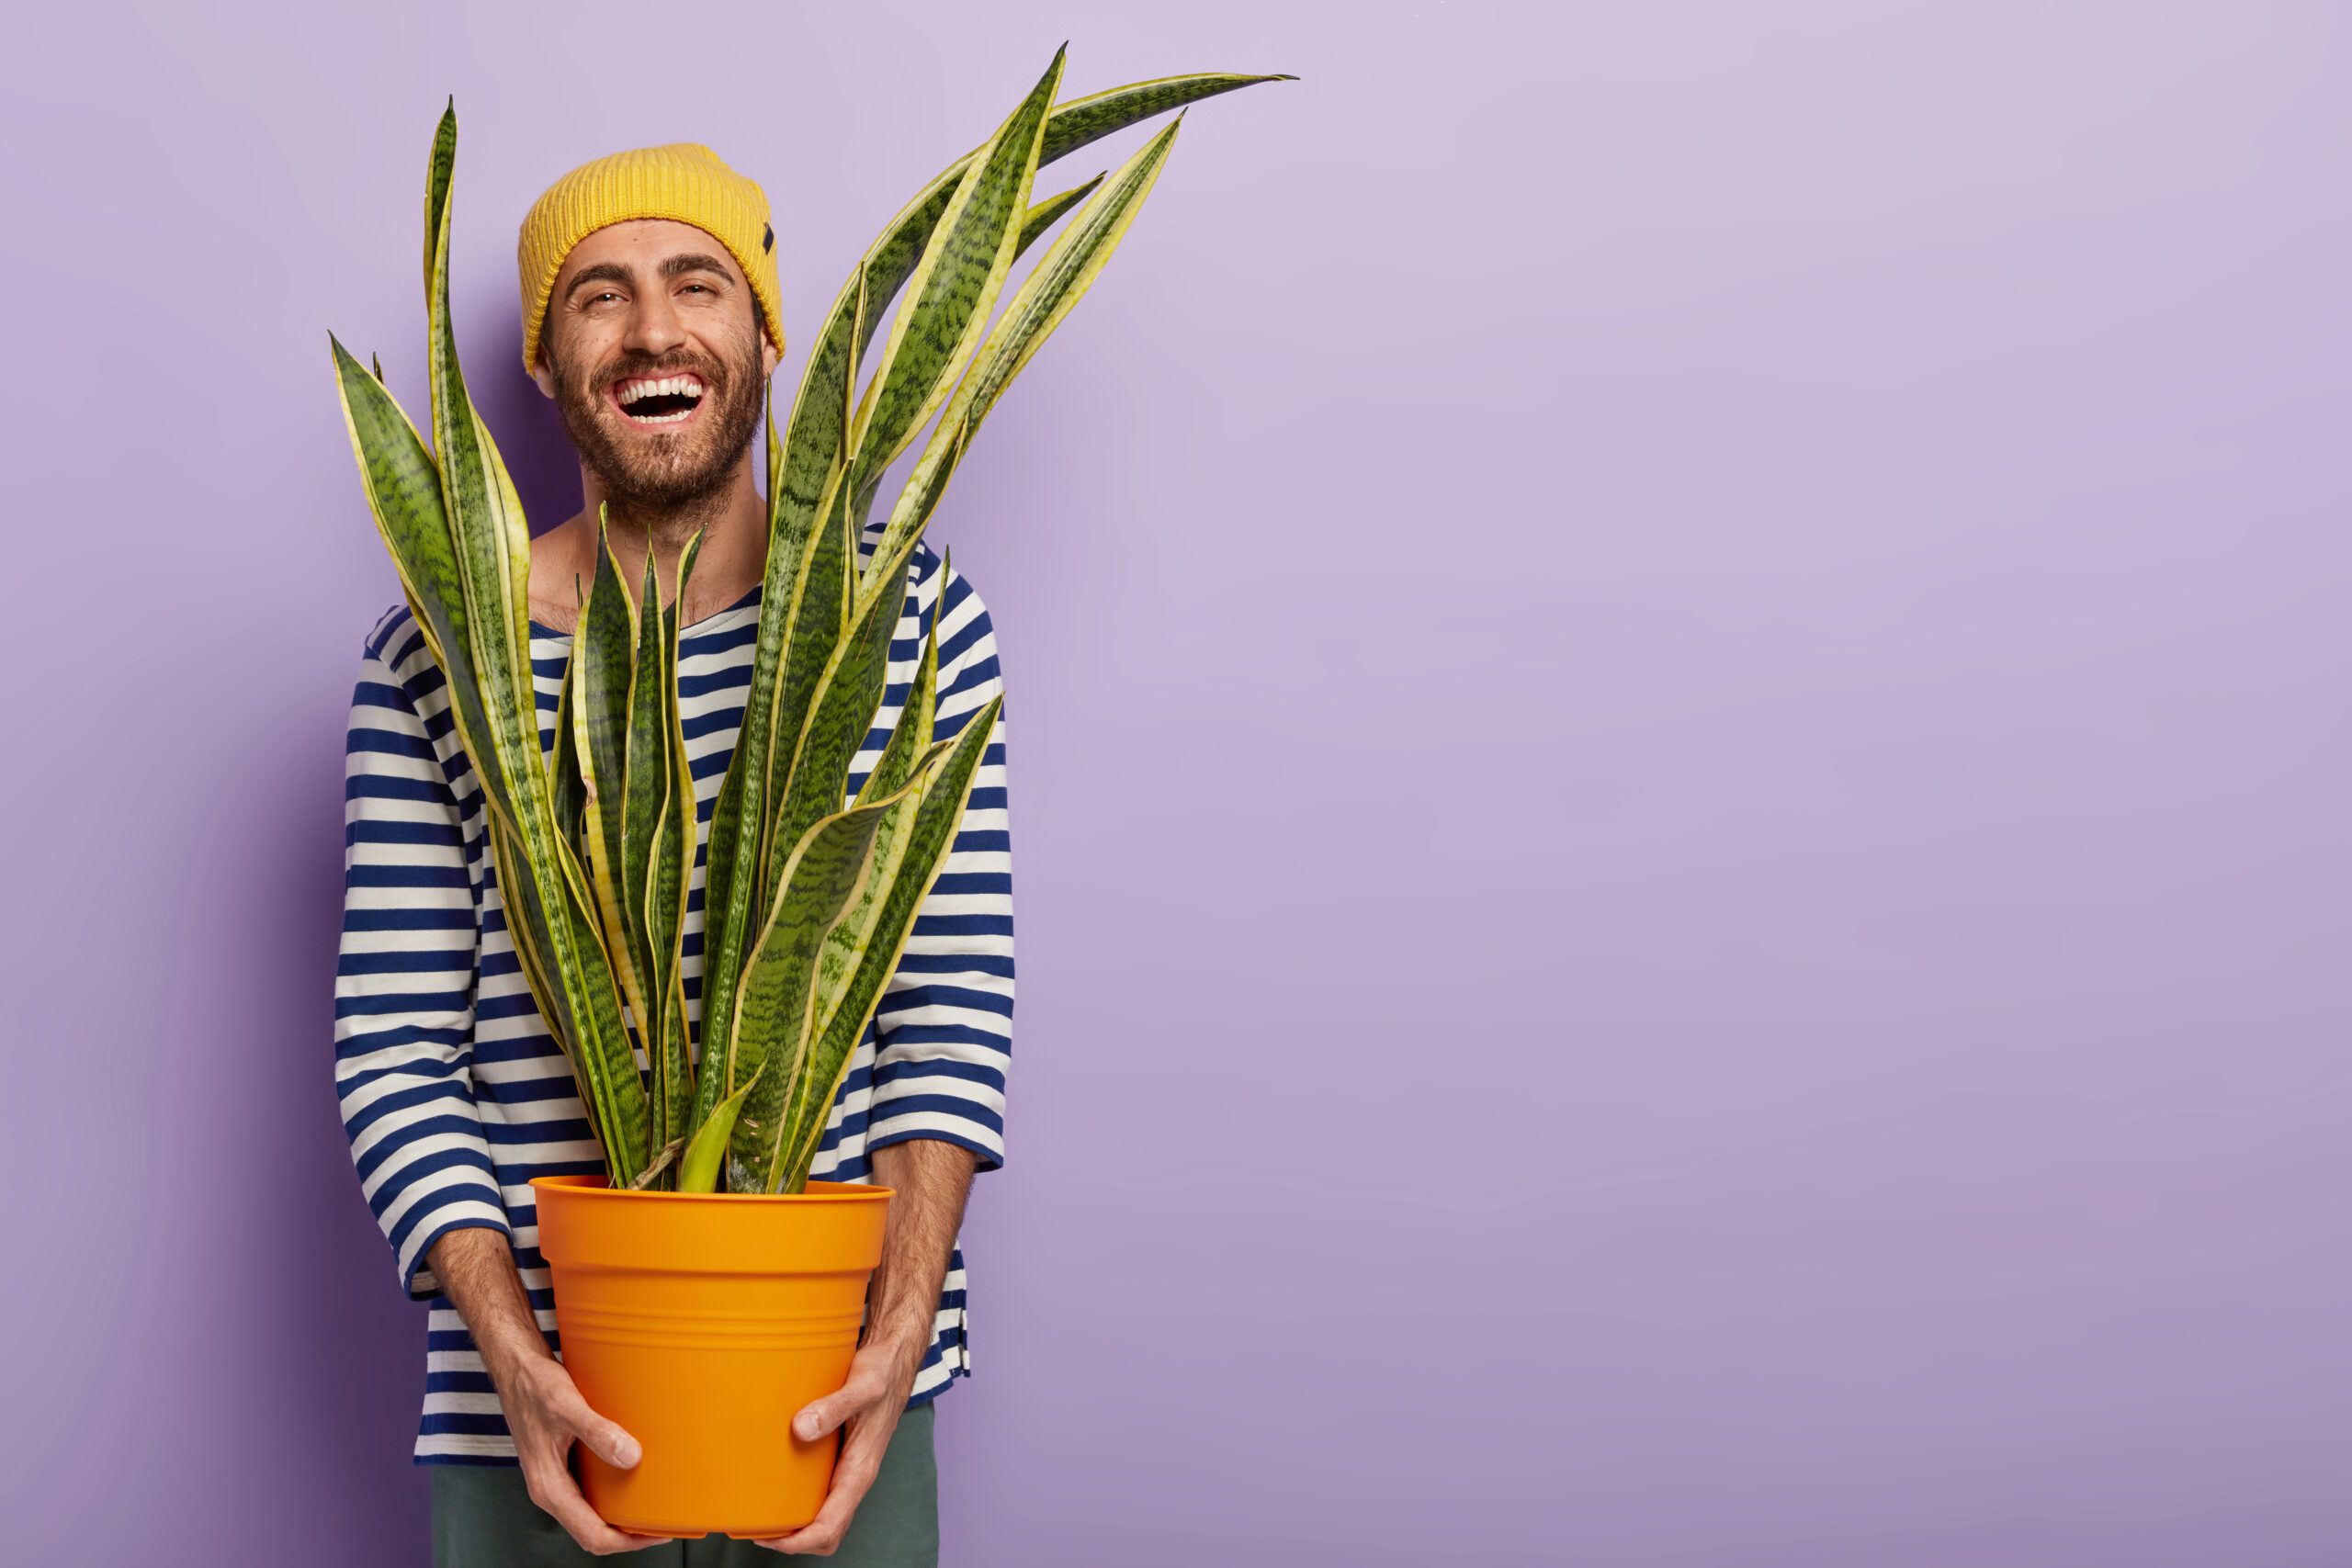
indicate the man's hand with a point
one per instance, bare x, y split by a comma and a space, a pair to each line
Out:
930, 1179
544, 1409
881, 1375
546, 1414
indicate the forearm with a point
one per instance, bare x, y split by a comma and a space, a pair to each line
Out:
931, 1178
544, 1413
476, 1268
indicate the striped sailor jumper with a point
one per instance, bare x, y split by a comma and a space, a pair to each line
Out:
455, 1094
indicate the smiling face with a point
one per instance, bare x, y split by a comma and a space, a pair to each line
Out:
656, 359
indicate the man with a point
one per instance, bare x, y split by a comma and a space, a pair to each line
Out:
652, 318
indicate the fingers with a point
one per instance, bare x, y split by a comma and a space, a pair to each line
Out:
551, 1486
869, 1402
547, 1475
820, 1536
606, 1439
866, 1386
853, 1475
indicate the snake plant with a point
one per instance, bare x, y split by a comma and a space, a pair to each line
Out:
808, 897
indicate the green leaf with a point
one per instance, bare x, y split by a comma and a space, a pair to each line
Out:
910, 737
823, 601
403, 490
955, 285
1042, 216
840, 715
646, 771
893, 256
699, 1171
1090, 118
544, 889
567, 789
736, 879
802, 469
909, 752
726, 910
439, 170
669, 849
944, 786
1069, 127
603, 667
1063, 275
772, 1010
645, 800
1045, 297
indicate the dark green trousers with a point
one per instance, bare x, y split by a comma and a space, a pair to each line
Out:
483, 1518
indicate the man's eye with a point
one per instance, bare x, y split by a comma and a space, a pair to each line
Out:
705, 288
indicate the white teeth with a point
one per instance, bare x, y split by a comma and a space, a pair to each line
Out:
676, 386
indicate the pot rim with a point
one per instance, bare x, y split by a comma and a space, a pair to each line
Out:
600, 1186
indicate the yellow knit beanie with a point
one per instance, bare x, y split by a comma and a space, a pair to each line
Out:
685, 181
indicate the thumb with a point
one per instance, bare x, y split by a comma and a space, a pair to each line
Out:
606, 1439
815, 1421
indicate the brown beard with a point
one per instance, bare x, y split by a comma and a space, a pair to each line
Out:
672, 470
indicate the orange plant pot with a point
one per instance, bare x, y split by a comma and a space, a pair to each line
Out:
702, 1322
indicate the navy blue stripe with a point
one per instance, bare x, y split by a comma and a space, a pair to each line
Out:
944, 996
900, 1066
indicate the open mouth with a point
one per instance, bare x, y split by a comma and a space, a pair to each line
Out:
659, 399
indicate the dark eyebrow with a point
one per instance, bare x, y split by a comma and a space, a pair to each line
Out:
696, 263
615, 272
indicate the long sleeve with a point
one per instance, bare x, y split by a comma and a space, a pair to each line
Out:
943, 1029
405, 976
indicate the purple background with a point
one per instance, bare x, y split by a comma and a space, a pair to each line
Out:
1678, 746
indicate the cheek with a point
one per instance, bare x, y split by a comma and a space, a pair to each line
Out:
587, 351
579, 389
748, 356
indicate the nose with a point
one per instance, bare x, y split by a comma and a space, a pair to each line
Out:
654, 327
